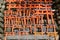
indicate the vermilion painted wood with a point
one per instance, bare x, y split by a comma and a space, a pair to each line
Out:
24, 16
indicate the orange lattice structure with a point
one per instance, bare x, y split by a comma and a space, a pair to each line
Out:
29, 19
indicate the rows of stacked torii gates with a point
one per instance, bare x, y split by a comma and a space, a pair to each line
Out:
29, 19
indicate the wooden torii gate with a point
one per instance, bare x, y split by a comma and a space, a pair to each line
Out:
29, 17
